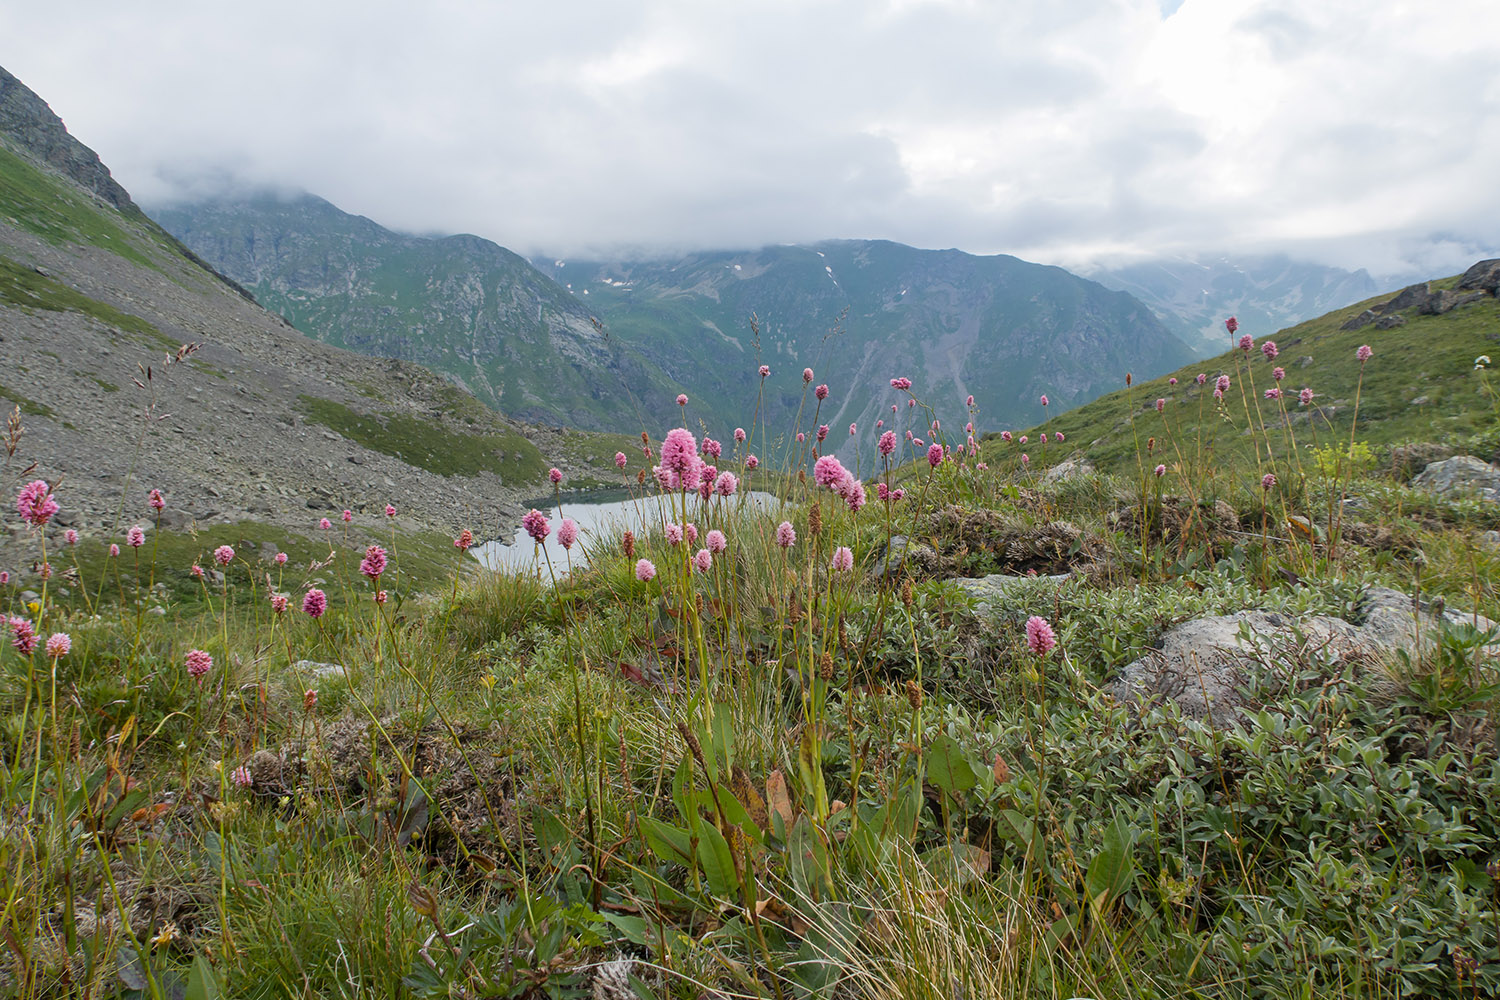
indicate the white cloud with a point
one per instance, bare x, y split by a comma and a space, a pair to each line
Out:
1349, 128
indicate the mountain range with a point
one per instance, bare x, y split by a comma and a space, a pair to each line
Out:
591, 343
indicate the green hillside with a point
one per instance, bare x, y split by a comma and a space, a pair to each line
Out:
1420, 384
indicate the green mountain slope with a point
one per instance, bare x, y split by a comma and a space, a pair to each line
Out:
1420, 384
460, 305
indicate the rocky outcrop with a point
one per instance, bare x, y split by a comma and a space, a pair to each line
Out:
1478, 282
1461, 475
1205, 666
29, 124
1483, 276
991, 591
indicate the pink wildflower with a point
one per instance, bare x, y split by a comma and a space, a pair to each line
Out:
1267, 481
1274, 392
241, 776
703, 561
887, 444
902, 383
224, 555
1043, 437
716, 541
822, 433
23, 636
4, 577
157, 502
882, 491
1059, 437
135, 537
712, 448
852, 430
1305, 396
739, 435
1278, 373
381, 597
821, 392
829, 471
726, 484
1247, 342
751, 462
390, 510
969, 427
679, 458
373, 564
1161, 470
198, 663
314, 603
464, 541
1039, 635
348, 515
1270, 350
1222, 383
1161, 404
279, 603
690, 532
70, 536
969, 402
935, 455
281, 558
196, 571
765, 371
843, 559
45, 571
1231, 324
807, 375
535, 524
1172, 380
620, 460
554, 475
35, 503
785, 534
645, 570
801, 437
1005, 436
682, 399
1044, 399
674, 534
114, 550
853, 493
1023, 438
325, 524
1364, 353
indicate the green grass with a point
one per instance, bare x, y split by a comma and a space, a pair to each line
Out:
427, 444
23, 287
50, 208
28, 406
1420, 385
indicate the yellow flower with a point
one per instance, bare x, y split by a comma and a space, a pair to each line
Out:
488, 680
34, 606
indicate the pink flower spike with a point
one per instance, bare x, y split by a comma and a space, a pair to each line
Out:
807, 375
381, 597
822, 433
620, 460
716, 541
765, 371
198, 663
1161, 404
739, 435
1278, 373
58, 644
281, 558
373, 564
567, 533
674, 534
703, 561
887, 444
35, 503
23, 636
682, 399
852, 430
969, 402
1023, 438
690, 533
843, 559
135, 537
879, 424
114, 550
224, 555
1231, 324
1044, 399
464, 541
1161, 470
645, 570
821, 392
348, 515
1005, 436
196, 572
1039, 635
1247, 342
1202, 378
1267, 481
157, 501
1364, 353
751, 462
935, 455
4, 577
1222, 383
1025, 458
241, 777
786, 536
1172, 380
1059, 437
801, 437
680, 461
1270, 350
726, 484
554, 475
314, 603
535, 524
1305, 396
1042, 437
390, 511
279, 603
325, 524
70, 536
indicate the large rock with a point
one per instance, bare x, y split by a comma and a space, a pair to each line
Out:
1070, 468
1461, 475
1440, 302
1483, 276
998, 587
1205, 665
904, 557
1364, 319
1410, 297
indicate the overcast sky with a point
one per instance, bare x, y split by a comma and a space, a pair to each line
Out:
1364, 133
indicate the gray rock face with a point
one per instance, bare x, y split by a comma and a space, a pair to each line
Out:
1440, 302
1484, 276
1361, 321
27, 120
1490, 539
1460, 475
997, 587
1204, 665
1390, 322
1409, 297
906, 557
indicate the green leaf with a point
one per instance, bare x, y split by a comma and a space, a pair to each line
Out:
717, 862
671, 844
1112, 872
948, 768
202, 984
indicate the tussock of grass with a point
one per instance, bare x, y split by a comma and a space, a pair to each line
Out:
23, 287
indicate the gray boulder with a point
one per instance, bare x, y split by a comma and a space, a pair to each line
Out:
1068, 469
1204, 665
1440, 302
1483, 276
905, 556
990, 591
1410, 297
1390, 322
1461, 475
1364, 319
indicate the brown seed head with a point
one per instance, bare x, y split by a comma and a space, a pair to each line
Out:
628, 544
815, 519
913, 694
825, 666
906, 593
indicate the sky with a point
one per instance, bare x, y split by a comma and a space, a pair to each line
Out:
1358, 133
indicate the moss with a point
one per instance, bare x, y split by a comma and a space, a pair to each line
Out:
427, 444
